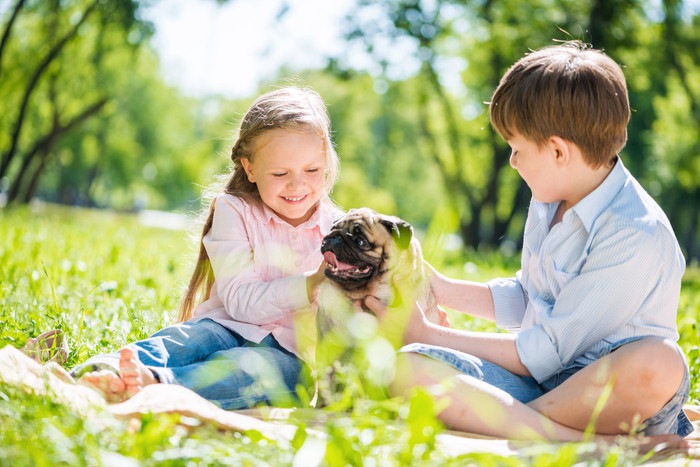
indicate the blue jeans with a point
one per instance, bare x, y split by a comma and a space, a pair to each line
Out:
669, 420
216, 363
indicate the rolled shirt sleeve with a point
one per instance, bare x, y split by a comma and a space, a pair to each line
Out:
510, 302
609, 272
620, 281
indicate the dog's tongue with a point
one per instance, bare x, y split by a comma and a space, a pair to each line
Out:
329, 257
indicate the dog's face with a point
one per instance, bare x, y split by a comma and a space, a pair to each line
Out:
359, 247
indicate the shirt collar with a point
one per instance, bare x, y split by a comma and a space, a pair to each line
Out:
321, 217
590, 207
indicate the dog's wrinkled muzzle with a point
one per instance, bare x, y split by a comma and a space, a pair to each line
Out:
348, 271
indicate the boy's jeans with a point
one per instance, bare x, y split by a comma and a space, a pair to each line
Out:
216, 363
669, 420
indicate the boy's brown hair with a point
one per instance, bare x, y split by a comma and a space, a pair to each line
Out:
568, 90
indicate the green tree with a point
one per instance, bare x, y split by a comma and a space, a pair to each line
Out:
656, 44
38, 87
89, 120
452, 124
677, 128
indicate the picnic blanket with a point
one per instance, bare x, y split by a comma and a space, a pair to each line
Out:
18, 370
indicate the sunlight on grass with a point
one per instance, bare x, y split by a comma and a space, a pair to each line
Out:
101, 277
105, 280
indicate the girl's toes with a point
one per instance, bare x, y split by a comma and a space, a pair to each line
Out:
106, 383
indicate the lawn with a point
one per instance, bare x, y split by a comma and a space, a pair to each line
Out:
105, 279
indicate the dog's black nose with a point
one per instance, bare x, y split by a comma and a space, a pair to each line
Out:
331, 242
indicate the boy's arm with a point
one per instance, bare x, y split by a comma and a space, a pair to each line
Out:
498, 348
473, 298
630, 276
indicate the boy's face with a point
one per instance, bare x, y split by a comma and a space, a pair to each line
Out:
537, 166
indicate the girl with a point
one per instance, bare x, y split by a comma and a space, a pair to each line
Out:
258, 268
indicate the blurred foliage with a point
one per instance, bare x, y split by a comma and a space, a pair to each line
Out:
461, 48
90, 121
104, 294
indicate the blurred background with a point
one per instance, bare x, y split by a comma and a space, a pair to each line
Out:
132, 105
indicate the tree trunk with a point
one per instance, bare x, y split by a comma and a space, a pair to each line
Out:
32, 85
671, 38
45, 145
8, 29
599, 21
30, 192
42, 148
691, 235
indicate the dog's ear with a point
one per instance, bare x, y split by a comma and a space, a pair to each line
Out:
400, 230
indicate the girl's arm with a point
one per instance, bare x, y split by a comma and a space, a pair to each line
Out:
256, 297
313, 280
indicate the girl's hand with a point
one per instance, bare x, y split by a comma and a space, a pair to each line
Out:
313, 280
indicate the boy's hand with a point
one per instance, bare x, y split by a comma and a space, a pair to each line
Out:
436, 279
433, 274
416, 326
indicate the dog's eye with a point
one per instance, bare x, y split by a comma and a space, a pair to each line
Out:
359, 238
361, 241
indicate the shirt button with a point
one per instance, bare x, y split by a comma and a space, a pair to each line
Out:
295, 235
297, 263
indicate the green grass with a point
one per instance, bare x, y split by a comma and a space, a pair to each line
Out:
107, 280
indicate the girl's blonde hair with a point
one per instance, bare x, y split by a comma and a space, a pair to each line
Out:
292, 108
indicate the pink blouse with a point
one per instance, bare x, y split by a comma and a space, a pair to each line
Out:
260, 265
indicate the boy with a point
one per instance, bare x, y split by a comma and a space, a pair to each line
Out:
593, 309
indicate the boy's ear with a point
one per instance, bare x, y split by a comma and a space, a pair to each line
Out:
248, 167
561, 149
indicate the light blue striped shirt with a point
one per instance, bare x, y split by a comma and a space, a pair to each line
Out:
609, 272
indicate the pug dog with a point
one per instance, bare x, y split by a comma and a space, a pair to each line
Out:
368, 254
371, 254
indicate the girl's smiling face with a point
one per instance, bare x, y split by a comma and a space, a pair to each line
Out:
288, 168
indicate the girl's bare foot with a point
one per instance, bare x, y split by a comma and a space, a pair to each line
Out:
106, 382
117, 387
59, 372
134, 374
